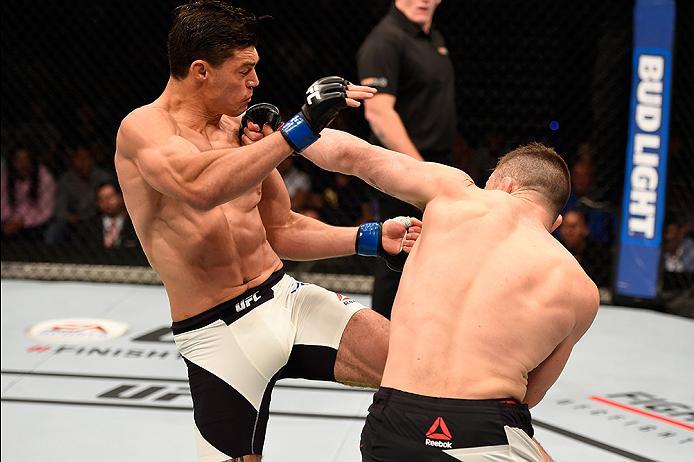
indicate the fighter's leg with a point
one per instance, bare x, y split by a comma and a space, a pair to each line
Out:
361, 356
234, 359
338, 339
545, 456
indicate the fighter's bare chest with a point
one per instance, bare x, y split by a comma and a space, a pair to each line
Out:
245, 203
224, 136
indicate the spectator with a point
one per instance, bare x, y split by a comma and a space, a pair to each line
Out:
584, 152
678, 261
28, 194
581, 181
599, 216
679, 182
46, 139
88, 126
593, 256
111, 228
39, 128
678, 249
298, 184
344, 201
76, 198
414, 111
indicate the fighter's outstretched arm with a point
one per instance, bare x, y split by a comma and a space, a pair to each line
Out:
297, 237
176, 167
393, 173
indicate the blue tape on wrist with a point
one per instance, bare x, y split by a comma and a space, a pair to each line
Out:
369, 239
298, 133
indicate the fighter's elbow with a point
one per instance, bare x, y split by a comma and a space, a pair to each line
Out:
280, 245
200, 198
200, 204
533, 399
205, 194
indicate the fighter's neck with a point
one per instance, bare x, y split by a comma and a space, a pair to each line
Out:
186, 106
532, 209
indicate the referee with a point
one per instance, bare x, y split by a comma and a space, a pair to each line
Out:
414, 110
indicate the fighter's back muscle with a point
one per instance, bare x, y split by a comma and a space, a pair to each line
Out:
488, 288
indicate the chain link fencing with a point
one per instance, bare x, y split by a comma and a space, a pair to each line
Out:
677, 293
538, 70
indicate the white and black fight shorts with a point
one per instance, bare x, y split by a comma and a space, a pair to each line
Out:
236, 351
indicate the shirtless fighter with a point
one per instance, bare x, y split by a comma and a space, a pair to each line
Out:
489, 306
214, 219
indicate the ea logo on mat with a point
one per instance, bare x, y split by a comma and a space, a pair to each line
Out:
78, 330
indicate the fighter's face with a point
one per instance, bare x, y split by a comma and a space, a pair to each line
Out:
419, 12
230, 86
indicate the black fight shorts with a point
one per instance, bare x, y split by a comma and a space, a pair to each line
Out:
403, 426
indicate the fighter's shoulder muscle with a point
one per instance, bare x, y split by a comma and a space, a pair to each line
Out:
145, 126
453, 182
576, 288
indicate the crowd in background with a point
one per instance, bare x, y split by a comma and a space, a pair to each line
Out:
64, 194
61, 193
61, 201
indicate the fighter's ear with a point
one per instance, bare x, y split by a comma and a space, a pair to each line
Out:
508, 184
557, 223
198, 69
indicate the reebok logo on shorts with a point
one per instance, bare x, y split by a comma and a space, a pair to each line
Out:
344, 299
439, 435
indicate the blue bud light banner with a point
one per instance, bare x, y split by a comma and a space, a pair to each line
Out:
643, 204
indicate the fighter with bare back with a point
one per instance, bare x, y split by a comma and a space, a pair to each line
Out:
214, 219
488, 310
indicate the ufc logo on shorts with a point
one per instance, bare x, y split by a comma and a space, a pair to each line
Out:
246, 302
313, 93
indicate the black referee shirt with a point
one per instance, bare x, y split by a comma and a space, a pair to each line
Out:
400, 59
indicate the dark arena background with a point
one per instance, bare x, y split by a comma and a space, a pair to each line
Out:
558, 71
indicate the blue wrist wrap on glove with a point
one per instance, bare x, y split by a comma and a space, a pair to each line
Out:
369, 239
298, 133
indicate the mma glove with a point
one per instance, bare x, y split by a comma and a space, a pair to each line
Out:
369, 243
325, 98
261, 114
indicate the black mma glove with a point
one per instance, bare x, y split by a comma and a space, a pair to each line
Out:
369, 243
261, 114
324, 99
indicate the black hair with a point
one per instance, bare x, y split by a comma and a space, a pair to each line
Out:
210, 30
